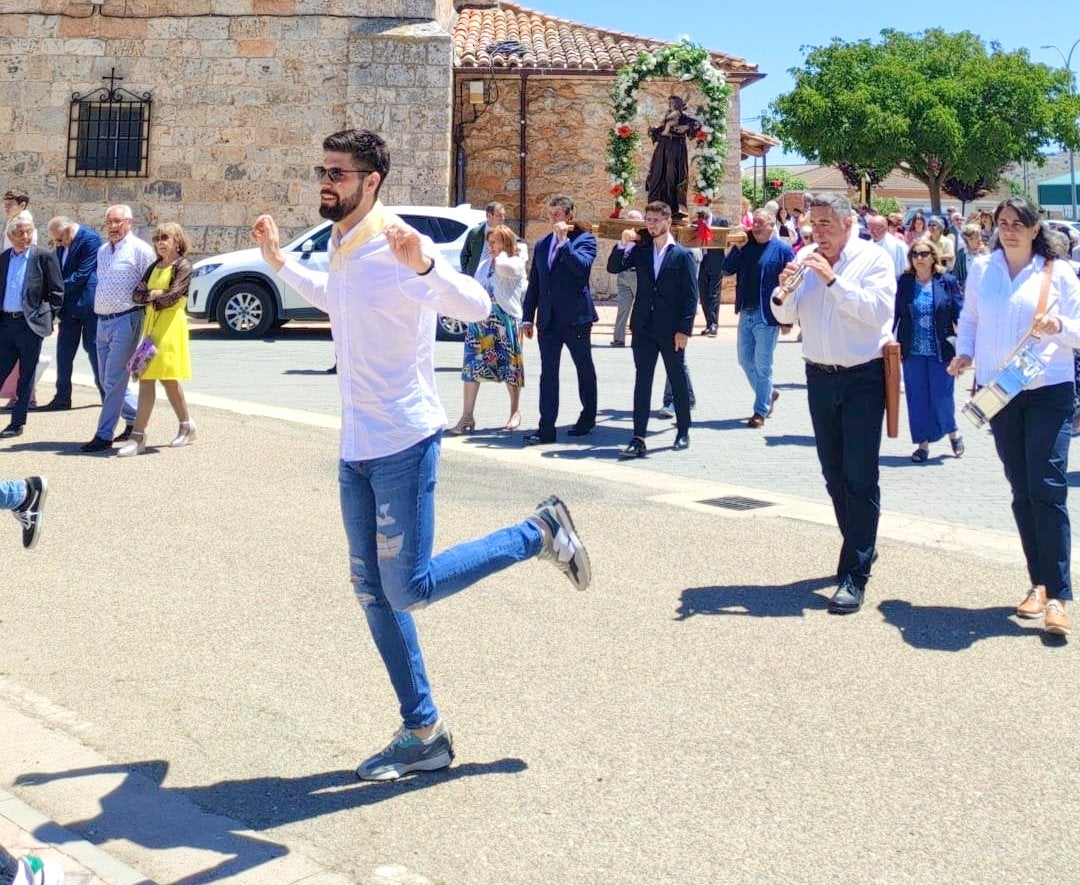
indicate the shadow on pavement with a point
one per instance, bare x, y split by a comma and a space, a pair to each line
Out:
905, 461
949, 628
790, 439
145, 813
786, 601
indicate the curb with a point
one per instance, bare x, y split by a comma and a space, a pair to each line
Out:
46, 832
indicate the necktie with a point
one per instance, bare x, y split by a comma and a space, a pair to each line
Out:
554, 251
61, 256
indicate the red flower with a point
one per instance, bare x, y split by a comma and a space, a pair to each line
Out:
623, 131
615, 212
701, 135
616, 189
701, 200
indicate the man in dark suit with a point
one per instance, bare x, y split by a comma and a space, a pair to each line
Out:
76, 251
31, 291
559, 303
662, 320
710, 272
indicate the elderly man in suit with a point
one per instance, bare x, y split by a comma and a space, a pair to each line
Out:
559, 303
31, 292
662, 320
76, 250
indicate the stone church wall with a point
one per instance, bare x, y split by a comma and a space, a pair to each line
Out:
243, 92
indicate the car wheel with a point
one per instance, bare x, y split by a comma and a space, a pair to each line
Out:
449, 329
245, 310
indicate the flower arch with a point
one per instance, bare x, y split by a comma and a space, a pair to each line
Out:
688, 63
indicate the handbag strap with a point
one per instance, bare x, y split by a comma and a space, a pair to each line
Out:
1041, 308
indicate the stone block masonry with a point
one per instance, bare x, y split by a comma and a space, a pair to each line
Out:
243, 93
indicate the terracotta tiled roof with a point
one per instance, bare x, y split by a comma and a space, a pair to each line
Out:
505, 35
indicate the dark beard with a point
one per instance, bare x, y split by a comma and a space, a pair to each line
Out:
340, 209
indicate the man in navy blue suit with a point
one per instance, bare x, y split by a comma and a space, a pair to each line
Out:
559, 304
76, 249
662, 320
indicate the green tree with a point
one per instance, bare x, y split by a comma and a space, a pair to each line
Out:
788, 182
936, 105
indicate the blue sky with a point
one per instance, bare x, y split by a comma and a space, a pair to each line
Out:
770, 34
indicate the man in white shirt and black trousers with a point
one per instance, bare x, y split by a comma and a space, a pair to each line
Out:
385, 287
844, 306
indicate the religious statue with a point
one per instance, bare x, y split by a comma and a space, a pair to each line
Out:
669, 168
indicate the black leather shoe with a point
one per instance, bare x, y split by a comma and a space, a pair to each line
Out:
56, 405
581, 429
681, 442
847, 599
539, 439
636, 449
97, 444
126, 435
11, 430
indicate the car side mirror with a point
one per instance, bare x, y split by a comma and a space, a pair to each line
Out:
306, 249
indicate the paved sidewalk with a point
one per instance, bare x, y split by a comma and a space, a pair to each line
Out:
24, 830
188, 683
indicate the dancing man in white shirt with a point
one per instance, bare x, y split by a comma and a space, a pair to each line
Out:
385, 287
844, 305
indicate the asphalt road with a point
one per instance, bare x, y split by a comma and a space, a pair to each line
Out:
187, 680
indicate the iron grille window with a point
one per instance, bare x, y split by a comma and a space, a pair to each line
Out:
109, 133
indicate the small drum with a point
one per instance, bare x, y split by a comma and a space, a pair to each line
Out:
1014, 376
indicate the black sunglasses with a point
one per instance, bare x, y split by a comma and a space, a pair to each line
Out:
921, 254
335, 174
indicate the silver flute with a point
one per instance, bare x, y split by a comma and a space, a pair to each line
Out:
792, 282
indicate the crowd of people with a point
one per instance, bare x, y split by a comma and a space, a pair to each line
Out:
123, 300
840, 279
853, 281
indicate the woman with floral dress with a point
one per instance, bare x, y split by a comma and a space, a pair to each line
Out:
493, 347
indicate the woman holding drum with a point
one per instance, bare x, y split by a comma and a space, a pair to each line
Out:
1016, 292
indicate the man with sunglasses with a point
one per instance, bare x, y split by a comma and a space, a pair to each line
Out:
844, 305
385, 287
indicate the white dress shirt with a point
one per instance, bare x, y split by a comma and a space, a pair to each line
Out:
847, 323
383, 319
119, 271
896, 249
998, 312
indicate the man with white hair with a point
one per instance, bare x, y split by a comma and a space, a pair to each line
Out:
121, 263
76, 250
844, 303
878, 226
31, 291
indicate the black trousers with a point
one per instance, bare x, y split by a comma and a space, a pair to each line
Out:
1032, 436
847, 408
19, 344
73, 331
578, 340
647, 346
709, 295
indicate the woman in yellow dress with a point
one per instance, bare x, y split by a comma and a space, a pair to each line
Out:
164, 291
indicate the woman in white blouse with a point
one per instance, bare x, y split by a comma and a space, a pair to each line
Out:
493, 347
1032, 432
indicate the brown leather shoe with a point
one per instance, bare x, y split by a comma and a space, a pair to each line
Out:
756, 420
1034, 604
1057, 619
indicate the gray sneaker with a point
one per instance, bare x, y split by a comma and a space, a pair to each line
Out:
666, 412
561, 543
31, 513
406, 752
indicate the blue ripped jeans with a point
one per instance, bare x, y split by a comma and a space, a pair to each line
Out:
388, 506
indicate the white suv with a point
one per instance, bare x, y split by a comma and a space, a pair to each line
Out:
244, 296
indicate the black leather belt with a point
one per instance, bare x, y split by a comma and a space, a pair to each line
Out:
13, 315
822, 367
113, 316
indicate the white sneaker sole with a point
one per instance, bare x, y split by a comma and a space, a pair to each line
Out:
392, 773
581, 557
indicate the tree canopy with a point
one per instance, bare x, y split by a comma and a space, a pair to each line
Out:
939, 106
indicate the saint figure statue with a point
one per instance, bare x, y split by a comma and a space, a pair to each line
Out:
670, 165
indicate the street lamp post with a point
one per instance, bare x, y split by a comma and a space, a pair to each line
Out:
1072, 90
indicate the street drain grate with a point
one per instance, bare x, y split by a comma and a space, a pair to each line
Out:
737, 502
